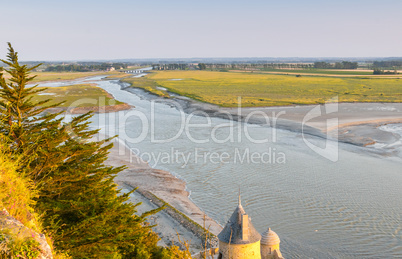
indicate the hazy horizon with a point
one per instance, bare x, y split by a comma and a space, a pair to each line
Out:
84, 30
222, 59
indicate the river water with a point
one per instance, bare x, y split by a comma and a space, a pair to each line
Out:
350, 208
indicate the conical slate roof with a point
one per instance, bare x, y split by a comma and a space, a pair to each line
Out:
270, 238
232, 232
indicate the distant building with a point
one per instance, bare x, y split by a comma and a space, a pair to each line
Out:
110, 69
240, 240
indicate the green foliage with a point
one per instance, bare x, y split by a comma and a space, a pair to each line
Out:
17, 112
80, 204
388, 64
13, 246
83, 206
337, 65
379, 71
27, 248
202, 66
17, 197
172, 252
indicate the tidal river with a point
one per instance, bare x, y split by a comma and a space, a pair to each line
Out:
350, 208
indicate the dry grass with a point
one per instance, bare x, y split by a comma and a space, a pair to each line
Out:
17, 192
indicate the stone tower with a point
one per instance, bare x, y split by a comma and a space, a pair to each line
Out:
239, 239
270, 245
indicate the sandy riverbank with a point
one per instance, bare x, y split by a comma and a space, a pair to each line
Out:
166, 187
356, 123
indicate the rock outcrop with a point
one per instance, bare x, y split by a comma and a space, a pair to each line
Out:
13, 232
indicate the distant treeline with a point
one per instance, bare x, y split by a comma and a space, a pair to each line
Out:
388, 64
256, 66
272, 66
228, 66
379, 71
336, 65
268, 66
84, 67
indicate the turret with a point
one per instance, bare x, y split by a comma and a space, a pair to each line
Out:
270, 245
239, 239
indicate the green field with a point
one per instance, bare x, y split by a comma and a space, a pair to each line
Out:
224, 88
73, 93
321, 71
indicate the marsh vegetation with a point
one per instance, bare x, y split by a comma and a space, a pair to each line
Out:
224, 88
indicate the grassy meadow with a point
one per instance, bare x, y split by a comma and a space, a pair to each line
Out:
72, 93
223, 88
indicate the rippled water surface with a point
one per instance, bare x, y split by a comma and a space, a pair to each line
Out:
320, 209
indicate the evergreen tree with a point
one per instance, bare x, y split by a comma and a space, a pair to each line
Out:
80, 204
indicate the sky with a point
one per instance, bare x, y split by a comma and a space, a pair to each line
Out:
44, 30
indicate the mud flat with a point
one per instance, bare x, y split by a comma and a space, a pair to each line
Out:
356, 123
